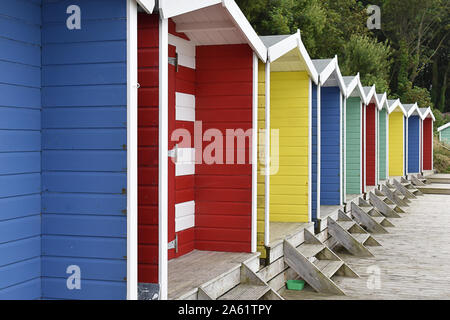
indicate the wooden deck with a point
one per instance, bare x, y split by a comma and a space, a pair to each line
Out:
414, 260
198, 267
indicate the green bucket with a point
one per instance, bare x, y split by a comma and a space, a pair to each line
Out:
297, 285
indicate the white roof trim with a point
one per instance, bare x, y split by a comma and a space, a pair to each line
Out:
171, 8
356, 84
372, 93
395, 105
286, 45
428, 113
147, 5
383, 102
414, 108
445, 126
340, 78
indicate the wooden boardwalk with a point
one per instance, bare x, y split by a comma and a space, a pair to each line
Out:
413, 262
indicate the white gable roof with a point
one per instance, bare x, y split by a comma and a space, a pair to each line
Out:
212, 22
394, 104
283, 51
353, 87
328, 67
445, 126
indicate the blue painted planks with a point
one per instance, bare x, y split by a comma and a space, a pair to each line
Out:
20, 141
14, 251
29, 290
89, 74
99, 117
84, 161
84, 139
56, 288
20, 97
17, 30
20, 74
84, 182
16, 207
20, 184
20, 228
26, 11
84, 225
20, 119
19, 162
102, 161
20, 272
91, 52
330, 175
84, 96
98, 204
84, 247
19, 52
413, 144
113, 270
314, 169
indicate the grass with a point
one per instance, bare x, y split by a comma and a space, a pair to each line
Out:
441, 156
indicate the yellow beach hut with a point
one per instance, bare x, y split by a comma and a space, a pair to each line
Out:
396, 146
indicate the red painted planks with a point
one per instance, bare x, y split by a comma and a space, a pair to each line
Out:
370, 145
363, 135
223, 191
427, 144
148, 148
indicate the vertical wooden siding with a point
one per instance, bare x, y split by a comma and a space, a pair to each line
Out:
370, 145
396, 144
290, 115
148, 156
445, 135
382, 144
353, 145
413, 144
261, 155
223, 192
20, 146
330, 146
314, 152
427, 144
84, 150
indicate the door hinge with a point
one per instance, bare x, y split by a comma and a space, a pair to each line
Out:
174, 61
173, 244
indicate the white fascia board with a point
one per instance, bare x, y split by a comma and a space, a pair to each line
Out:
147, 5
445, 126
431, 113
352, 85
279, 49
411, 111
372, 93
172, 8
395, 105
340, 78
241, 21
326, 73
360, 88
312, 70
383, 102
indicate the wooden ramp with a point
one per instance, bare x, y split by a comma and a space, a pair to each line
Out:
408, 265
439, 178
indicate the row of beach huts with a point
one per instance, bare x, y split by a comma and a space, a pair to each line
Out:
133, 135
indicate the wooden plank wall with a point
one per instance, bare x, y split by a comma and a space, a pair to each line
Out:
290, 115
382, 144
330, 180
84, 165
370, 145
223, 192
20, 146
353, 145
413, 144
396, 144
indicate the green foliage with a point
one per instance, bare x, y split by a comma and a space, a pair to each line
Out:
369, 57
406, 58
